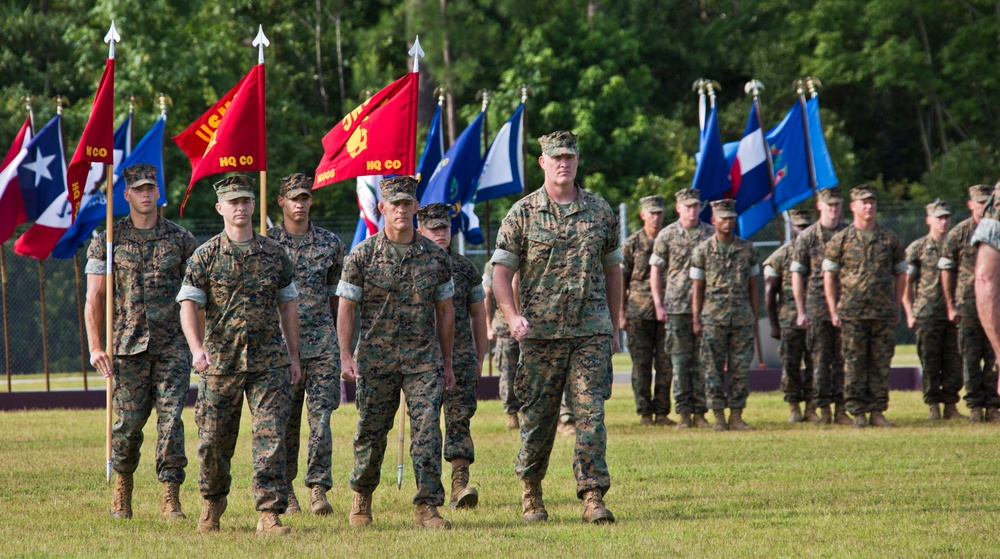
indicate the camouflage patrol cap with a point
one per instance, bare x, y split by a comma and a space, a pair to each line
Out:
724, 208
233, 187
652, 204
562, 142
399, 188
938, 208
980, 192
800, 218
689, 197
434, 215
139, 174
294, 185
863, 192
830, 196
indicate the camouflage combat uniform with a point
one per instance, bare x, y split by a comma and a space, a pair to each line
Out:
867, 263
978, 359
318, 259
822, 339
506, 352
460, 402
672, 254
240, 293
796, 382
398, 350
152, 366
646, 335
561, 253
937, 337
727, 318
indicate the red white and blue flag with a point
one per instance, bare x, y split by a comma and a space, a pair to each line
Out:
11, 207
749, 174
42, 174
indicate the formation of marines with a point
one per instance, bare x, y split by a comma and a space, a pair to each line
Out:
279, 320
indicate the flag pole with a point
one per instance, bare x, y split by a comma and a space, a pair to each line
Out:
260, 41
754, 87
79, 314
109, 282
6, 323
163, 99
45, 325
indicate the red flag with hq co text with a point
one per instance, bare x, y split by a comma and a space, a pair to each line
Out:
378, 137
11, 206
231, 136
97, 145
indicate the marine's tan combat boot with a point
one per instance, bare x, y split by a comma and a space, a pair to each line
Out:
594, 511
361, 509
825, 417
646, 420
860, 421
879, 420
317, 500
532, 507
810, 414
211, 512
720, 420
840, 415
270, 525
736, 422
794, 413
664, 420
170, 505
462, 496
427, 517
700, 421
512, 422
934, 412
685, 422
293, 502
975, 415
993, 415
951, 412
121, 500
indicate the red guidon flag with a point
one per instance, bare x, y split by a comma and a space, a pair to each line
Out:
231, 136
97, 145
379, 137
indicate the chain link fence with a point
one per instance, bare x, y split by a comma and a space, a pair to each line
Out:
61, 350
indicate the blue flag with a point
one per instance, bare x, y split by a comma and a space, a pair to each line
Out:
360, 232
503, 169
711, 177
433, 152
149, 150
826, 177
93, 206
454, 178
42, 171
792, 183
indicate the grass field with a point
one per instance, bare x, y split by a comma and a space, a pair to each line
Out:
785, 490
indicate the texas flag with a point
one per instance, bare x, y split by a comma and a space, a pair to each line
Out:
42, 173
749, 174
11, 206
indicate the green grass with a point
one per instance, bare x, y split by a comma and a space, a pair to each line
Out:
785, 490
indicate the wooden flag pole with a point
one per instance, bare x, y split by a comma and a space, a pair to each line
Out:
260, 41
6, 323
109, 284
79, 314
45, 325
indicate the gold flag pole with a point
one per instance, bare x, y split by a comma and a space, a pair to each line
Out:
109, 283
260, 41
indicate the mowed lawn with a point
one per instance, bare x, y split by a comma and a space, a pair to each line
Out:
785, 490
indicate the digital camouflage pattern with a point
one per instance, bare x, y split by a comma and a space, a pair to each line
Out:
142, 383
726, 350
979, 369
868, 349
294, 185
779, 265
726, 269
684, 349
647, 344
506, 354
796, 383
940, 360
960, 256
549, 368
867, 266
922, 257
636, 251
319, 390
217, 413
825, 343
499, 320
562, 142
148, 272
460, 402
988, 230
672, 254
561, 255
403, 187
240, 294
233, 187
807, 259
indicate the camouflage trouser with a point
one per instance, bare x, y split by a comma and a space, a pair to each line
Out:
319, 389
978, 363
796, 382
547, 367
722, 346
648, 345
217, 413
940, 361
825, 343
868, 349
459, 407
378, 400
689, 385
506, 354
143, 382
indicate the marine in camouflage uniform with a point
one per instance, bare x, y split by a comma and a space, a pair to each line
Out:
724, 272
927, 314
646, 336
564, 243
245, 284
401, 284
671, 273
986, 239
151, 366
978, 358
318, 258
796, 382
823, 340
506, 352
869, 263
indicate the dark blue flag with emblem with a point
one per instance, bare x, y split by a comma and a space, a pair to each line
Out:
455, 177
